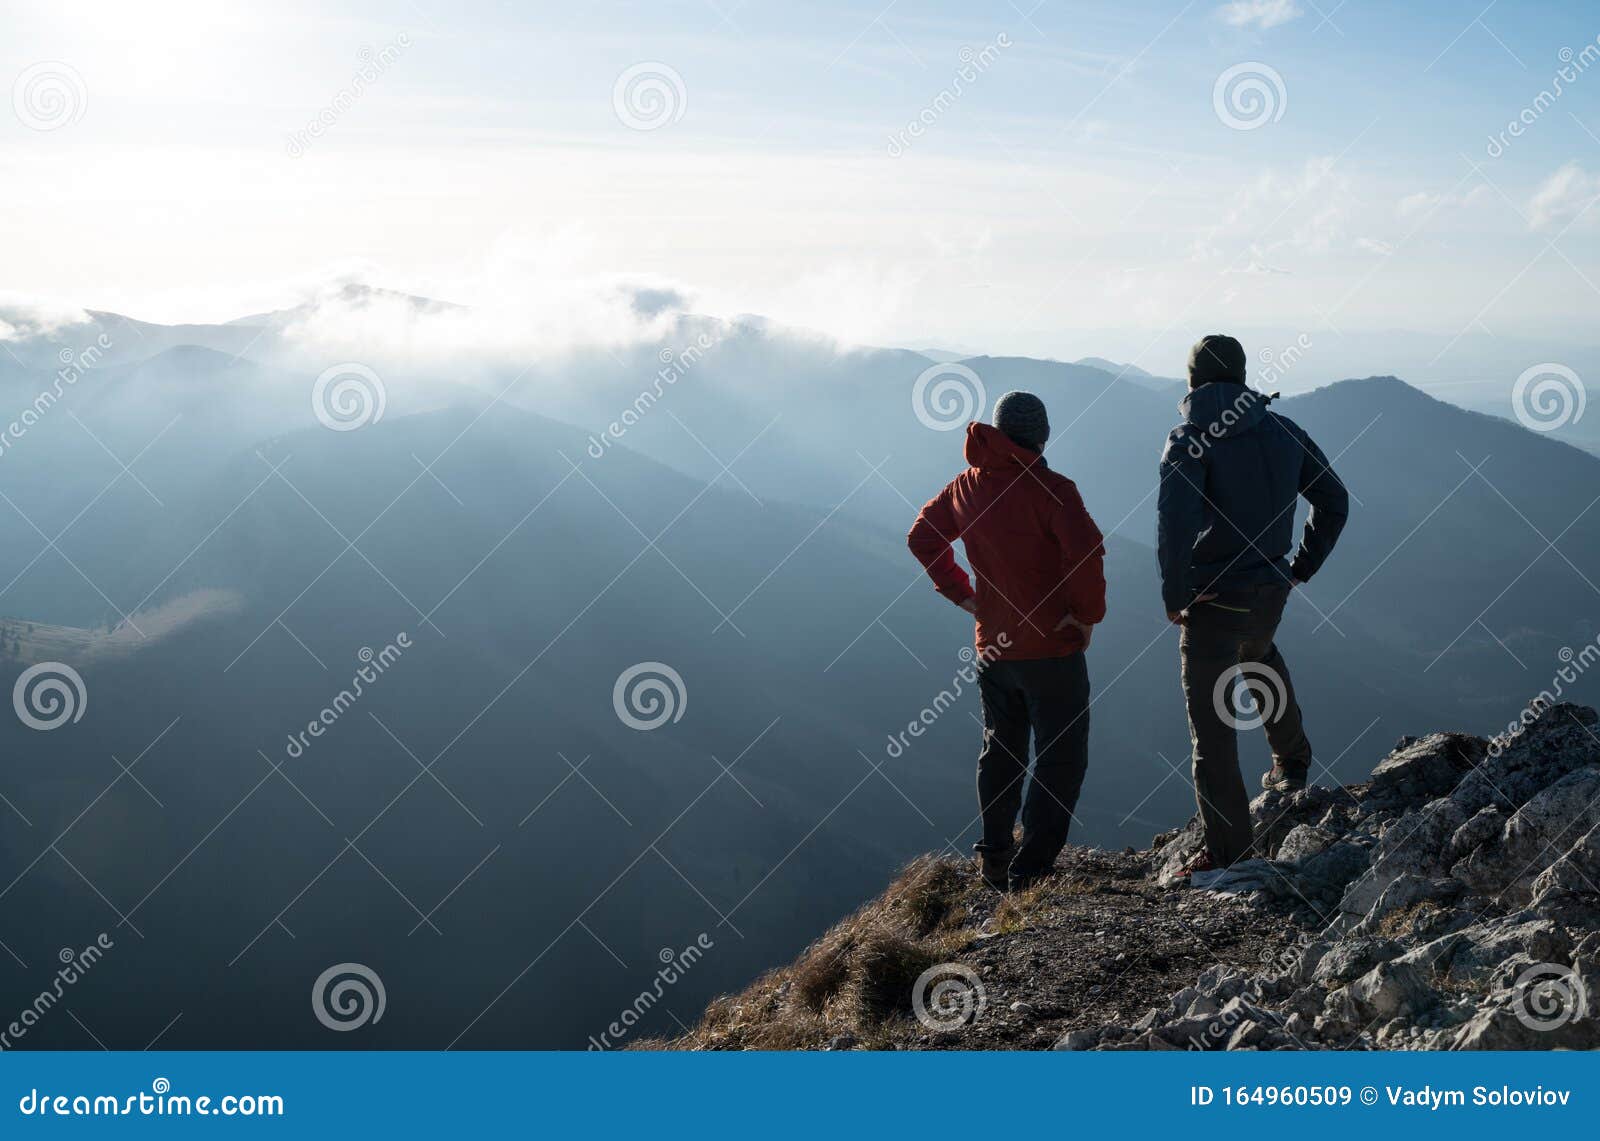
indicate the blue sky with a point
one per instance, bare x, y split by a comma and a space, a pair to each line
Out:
1080, 192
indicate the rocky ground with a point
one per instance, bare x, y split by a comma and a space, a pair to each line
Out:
1451, 901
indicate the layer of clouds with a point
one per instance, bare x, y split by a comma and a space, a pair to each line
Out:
541, 318
24, 317
525, 302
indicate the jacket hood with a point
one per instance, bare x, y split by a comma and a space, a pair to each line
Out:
989, 447
1222, 409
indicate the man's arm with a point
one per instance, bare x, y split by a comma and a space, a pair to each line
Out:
1083, 556
1180, 515
1330, 507
930, 539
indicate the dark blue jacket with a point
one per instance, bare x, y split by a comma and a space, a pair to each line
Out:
1230, 475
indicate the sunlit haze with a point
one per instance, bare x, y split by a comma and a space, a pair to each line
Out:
1073, 183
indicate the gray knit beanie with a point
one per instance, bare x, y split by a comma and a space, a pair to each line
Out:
1021, 416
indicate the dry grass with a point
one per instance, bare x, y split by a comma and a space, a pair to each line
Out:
1406, 921
857, 979
1016, 910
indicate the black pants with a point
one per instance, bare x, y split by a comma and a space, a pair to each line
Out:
1233, 633
1049, 698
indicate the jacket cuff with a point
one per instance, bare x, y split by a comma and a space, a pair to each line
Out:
958, 592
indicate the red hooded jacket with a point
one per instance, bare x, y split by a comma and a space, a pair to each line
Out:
1037, 555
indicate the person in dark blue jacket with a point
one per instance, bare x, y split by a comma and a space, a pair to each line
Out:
1231, 475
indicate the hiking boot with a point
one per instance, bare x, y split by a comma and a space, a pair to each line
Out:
1280, 779
994, 867
1022, 881
1200, 864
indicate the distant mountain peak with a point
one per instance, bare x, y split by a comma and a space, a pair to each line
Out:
351, 294
1114, 368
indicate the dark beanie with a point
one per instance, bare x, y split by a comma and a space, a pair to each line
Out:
1216, 357
1021, 416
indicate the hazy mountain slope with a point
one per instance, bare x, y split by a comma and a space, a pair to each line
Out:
117, 470
1448, 554
542, 595
530, 570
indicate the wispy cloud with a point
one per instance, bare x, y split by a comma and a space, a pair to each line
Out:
1256, 266
1563, 196
1424, 203
1259, 13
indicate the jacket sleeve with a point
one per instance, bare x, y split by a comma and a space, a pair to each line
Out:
1180, 516
1083, 556
930, 539
1330, 507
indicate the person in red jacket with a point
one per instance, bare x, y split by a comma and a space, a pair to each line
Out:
1038, 560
